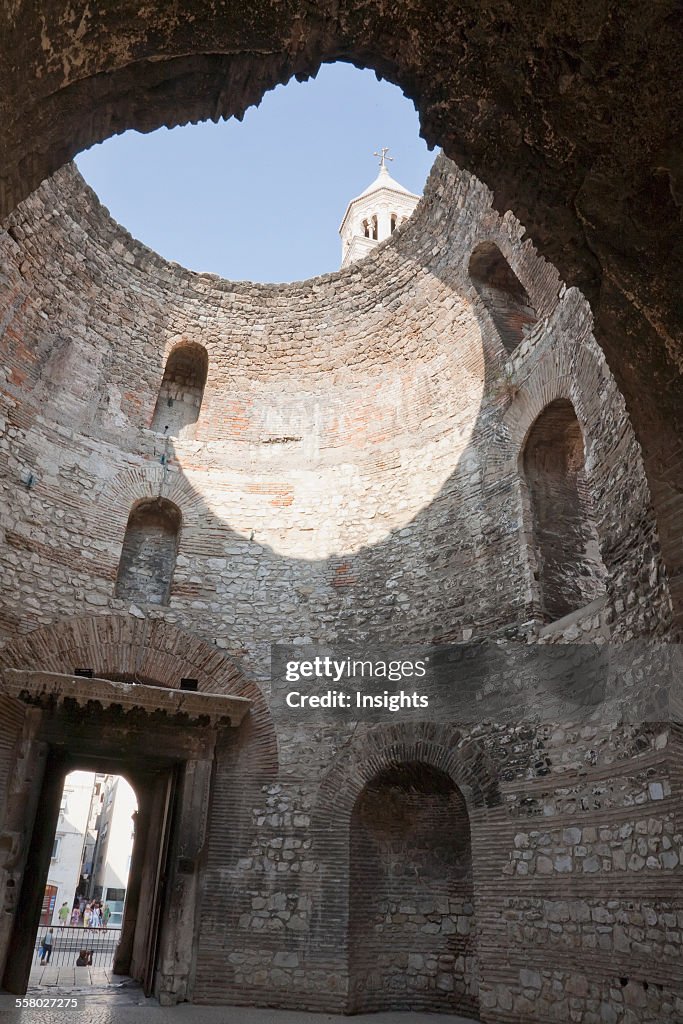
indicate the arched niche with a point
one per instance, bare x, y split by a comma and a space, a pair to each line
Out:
149, 552
502, 293
569, 569
411, 909
182, 389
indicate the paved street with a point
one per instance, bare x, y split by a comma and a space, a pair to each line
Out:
97, 982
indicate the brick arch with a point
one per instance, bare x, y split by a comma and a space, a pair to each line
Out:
442, 747
501, 293
182, 386
575, 373
109, 644
128, 489
155, 651
176, 341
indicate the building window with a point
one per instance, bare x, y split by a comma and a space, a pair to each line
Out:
502, 293
394, 222
181, 391
149, 552
374, 227
569, 570
55, 848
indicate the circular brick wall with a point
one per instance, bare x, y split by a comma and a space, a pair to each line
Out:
356, 471
354, 468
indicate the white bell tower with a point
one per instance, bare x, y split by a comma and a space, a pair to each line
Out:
375, 214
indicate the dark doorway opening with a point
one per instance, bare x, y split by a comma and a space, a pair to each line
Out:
129, 949
411, 924
163, 783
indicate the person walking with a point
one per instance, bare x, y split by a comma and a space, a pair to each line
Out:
106, 914
87, 916
46, 947
76, 916
63, 913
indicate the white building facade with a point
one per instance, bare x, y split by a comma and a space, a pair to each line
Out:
113, 849
67, 850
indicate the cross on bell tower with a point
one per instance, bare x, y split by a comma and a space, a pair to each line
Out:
382, 154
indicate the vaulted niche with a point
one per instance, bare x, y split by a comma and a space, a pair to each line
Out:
181, 391
411, 915
569, 569
502, 293
149, 552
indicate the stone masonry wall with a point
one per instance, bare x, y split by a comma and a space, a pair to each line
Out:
354, 473
411, 927
370, 451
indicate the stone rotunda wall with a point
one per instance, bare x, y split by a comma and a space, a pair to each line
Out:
356, 471
357, 445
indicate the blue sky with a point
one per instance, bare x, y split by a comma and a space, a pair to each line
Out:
261, 200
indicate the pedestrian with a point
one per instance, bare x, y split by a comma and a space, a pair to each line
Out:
106, 914
46, 947
63, 913
87, 916
96, 920
84, 958
76, 916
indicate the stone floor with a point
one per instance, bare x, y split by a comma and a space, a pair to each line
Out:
97, 1012
104, 998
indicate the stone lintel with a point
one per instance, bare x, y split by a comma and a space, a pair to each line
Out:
46, 688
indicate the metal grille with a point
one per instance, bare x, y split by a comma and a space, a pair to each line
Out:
68, 941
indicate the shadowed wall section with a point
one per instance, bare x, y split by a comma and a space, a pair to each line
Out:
502, 293
570, 571
412, 924
181, 391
